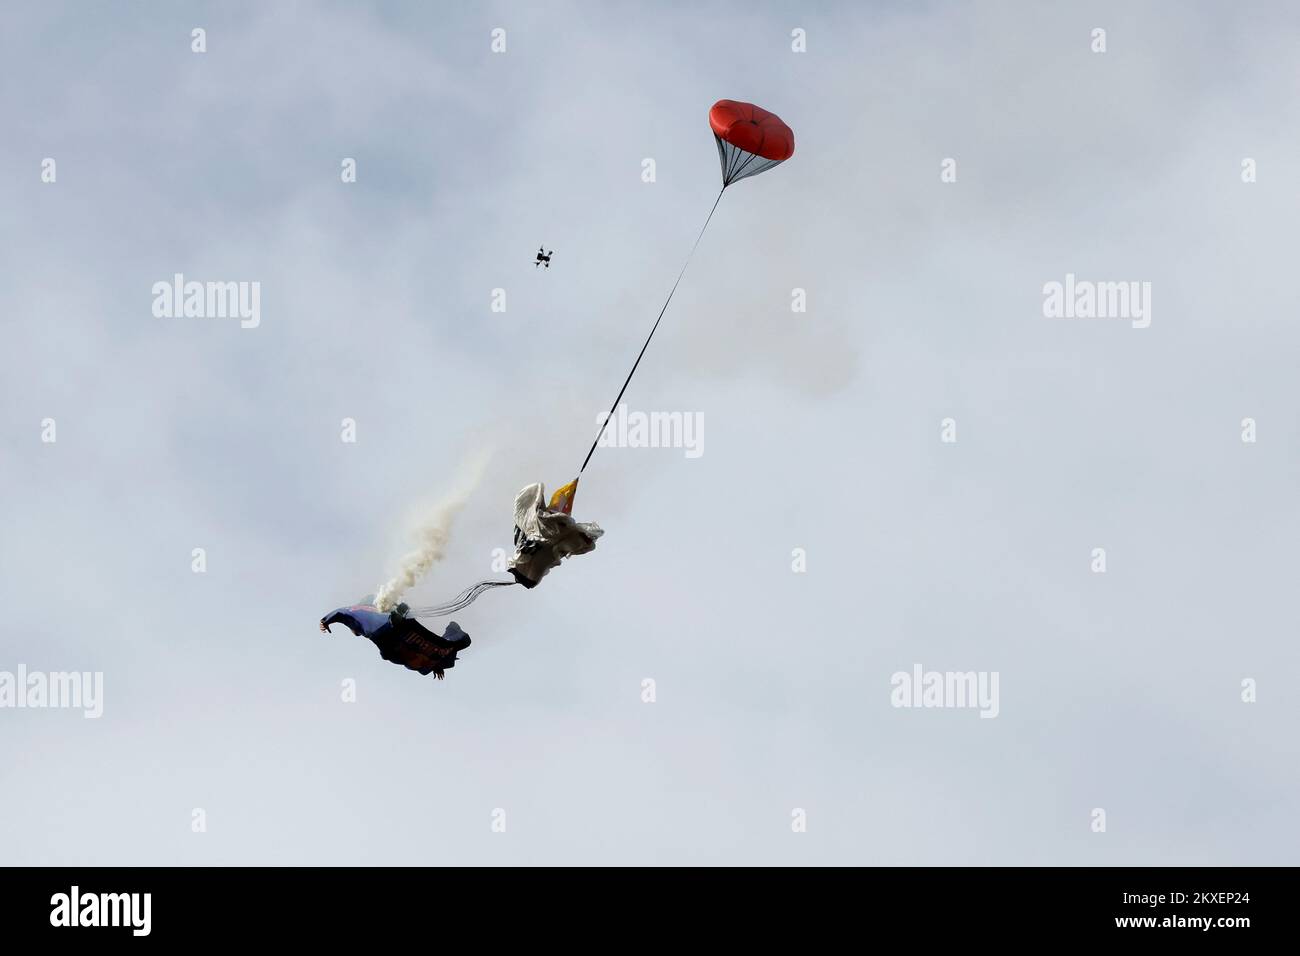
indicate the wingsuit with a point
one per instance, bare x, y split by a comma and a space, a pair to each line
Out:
545, 536
401, 639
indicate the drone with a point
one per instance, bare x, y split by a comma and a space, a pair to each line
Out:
543, 257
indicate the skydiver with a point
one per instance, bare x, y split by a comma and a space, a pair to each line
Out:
401, 639
545, 536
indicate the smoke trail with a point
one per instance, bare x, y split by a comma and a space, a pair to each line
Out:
432, 535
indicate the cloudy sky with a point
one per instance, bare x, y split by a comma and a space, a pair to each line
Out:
1119, 691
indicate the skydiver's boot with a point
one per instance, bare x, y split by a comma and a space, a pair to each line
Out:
458, 638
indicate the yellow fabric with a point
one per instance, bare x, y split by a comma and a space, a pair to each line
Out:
562, 500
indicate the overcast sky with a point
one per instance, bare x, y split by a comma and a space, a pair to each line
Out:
1119, 691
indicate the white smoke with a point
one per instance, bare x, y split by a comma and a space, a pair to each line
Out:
433, 531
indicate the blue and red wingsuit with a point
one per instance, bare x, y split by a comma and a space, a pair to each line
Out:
401, 639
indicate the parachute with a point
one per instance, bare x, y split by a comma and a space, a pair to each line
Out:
750, 139
545, 536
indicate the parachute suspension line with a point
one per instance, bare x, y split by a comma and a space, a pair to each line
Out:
462, 600
738, 164
653, 328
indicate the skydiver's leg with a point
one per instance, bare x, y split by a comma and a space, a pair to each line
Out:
453, 639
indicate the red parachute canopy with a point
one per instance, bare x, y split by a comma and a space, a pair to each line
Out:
750, 139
